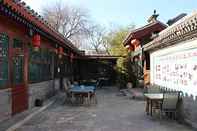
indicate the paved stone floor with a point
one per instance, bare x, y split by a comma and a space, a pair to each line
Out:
112, 113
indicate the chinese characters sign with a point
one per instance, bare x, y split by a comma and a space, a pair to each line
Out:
176, 68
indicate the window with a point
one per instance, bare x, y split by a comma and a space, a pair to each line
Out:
18, 69
18, 62
17, 44
64, 65
40, 64
147, 57
4, 41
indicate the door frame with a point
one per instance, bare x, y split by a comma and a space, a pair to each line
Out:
16, 88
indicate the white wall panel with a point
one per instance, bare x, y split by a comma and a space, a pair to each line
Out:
176, 67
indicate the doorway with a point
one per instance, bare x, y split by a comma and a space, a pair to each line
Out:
18, 64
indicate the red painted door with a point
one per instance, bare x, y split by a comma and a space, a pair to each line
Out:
19, 88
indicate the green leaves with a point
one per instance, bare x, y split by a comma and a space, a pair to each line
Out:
124, 69
115, 41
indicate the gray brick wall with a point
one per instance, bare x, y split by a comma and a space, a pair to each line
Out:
189, 110
5, 104
43, 90
57, 85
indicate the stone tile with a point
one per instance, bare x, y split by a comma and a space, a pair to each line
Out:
113, 113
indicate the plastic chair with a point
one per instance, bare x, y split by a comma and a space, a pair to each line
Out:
67, 86
153, 90
169, 104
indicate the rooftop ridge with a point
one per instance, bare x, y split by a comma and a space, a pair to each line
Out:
177, 30
141, 28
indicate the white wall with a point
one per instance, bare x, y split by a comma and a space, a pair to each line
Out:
175, 67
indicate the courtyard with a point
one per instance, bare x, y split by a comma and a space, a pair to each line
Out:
112, 113
60, 58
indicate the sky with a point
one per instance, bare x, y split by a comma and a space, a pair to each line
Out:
125, 12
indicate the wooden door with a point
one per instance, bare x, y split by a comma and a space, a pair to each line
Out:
18, 74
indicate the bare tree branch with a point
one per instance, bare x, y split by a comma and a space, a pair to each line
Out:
97, 39
70, 21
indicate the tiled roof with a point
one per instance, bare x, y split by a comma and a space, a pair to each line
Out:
185, 28
143, 30
19, 7
102, 57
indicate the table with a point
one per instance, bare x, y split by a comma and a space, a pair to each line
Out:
150, 98
82, 90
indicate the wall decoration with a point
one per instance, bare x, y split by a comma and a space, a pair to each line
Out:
176, 68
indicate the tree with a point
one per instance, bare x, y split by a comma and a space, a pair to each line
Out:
115, 42
97, 39
125, 67
106, 45
72, 22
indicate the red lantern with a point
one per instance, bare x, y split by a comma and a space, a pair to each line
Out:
36, 42
129, 47
61, 52
135, 42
